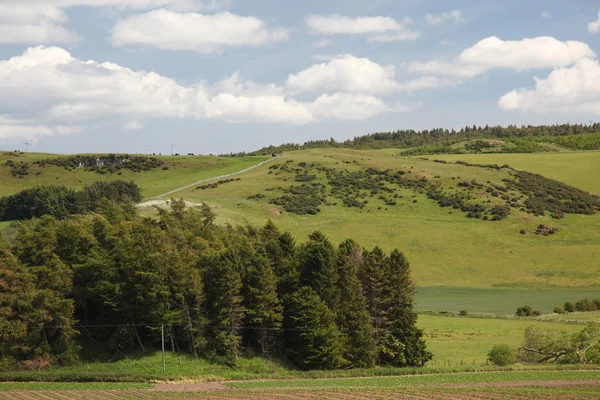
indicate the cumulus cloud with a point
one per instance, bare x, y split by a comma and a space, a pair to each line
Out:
566, 89
133, 125
594, 27
520, 55
378, 29
546, 15
454, 16
65, 93
346, 73
42, 21
170, 30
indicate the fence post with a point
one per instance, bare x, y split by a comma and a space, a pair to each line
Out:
162, 331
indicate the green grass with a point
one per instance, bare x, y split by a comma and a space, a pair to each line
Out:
417, 380
465, 341
33, 386
183, 170
573, 168
445, 250
497, 300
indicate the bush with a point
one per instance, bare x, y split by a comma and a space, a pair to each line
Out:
559, 310
524, 311
569, 307
462, 312
536, 313
501, 355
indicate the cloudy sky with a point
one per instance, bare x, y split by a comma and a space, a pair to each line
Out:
215, 76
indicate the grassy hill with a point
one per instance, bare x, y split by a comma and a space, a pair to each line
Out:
452, 256
445, 247
173, 172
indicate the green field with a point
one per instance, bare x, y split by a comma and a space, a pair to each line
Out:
573, 168
182, 170
499, 300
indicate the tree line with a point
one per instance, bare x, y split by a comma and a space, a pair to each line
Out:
60, 201
443, 138
218, 290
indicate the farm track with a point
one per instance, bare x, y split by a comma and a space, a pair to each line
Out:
534, 390
211, 179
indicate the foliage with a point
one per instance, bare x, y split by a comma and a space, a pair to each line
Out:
60, 201
502, 354
103, 164
217, 291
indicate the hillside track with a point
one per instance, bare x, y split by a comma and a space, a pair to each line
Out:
533, 390
211, 179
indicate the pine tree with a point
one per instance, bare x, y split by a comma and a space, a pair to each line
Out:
312, 339
372, 276
318, 270
401, 315
226, 313
353, 318
264, 313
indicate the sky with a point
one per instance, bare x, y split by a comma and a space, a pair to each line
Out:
221, 76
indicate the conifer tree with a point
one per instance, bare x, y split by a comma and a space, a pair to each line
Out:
372, 276
312, 339
318, 270
264, 312
353, 318
401, 315
226, 312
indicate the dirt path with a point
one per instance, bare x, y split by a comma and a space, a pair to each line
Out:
211, 179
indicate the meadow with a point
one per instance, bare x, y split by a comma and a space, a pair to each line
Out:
181, 171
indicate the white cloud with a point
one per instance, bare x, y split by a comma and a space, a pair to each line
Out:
61, 93
133, 125
572, 89
454, 15
167, 29
379, 29
546, 15
41, 21
492, 52
346, 73
594, 27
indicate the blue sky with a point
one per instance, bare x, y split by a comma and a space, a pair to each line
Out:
220, 76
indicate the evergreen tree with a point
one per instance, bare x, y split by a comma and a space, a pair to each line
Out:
226, 312
318, 270
372, 276
264, 313
401, 315
312, 339
353, 318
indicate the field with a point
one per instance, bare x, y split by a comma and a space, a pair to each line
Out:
494, 385
182, 170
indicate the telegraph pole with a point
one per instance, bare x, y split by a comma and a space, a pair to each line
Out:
26, 147
171, 149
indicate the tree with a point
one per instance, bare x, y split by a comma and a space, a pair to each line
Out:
502, 355
225, 302
402, 318
372, 276
318, 270
312, 339
544, 345
264, 312
352, 316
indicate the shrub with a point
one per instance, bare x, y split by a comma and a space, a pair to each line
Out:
569, 307
524, 311
462, 312
501, 355
536, 313
559, 310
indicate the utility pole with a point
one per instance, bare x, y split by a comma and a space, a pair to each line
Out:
26, 147
171, 149
162, 329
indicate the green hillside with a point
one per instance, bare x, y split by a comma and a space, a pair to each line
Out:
445, 247
170, 173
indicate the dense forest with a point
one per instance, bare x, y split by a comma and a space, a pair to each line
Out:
523, 139
113, 278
